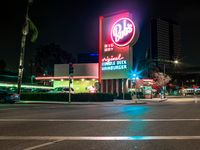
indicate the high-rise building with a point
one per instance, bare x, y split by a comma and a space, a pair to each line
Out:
176, 44
165, 41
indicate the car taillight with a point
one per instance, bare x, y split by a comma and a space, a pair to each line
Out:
14, 95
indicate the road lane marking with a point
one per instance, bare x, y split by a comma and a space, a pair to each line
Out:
99, 138
7, 108
97, 120
42, 145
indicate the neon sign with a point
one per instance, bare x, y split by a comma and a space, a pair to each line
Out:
116, 34
108, 47
123, 32
114, 63
112, 58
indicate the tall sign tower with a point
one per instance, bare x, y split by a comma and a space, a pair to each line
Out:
117, 34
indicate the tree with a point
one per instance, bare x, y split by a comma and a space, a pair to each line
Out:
160, 80
2, 65
48, 55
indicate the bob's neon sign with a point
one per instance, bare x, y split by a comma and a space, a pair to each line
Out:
123, 32
112, 58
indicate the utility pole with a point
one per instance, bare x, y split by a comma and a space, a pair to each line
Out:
25, 31
71, 71
164, 79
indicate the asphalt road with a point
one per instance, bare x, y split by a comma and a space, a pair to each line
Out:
153, 126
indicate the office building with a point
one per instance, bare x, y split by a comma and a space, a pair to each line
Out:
165, 42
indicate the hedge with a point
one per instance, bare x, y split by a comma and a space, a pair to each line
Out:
127, 96
80, 97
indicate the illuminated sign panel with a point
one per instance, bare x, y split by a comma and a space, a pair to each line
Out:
116, 34
123, 32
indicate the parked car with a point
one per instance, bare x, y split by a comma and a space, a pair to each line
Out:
40, 90
91, 89
197, 91
187, 91
26, 90
8, 97
61, 90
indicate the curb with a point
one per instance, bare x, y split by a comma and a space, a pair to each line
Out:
59, 103
83, 103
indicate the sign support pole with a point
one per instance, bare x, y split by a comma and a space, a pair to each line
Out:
123, 86
69, 88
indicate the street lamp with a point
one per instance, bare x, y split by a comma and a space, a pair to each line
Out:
164, 69
176, 61
164, 78
134, 80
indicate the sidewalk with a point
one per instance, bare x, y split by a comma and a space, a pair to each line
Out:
117, 102
62, 103
121, 101
185, 99
154, 100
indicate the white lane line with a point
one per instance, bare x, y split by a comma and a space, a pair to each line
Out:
42, 145
8, 109
99, 138
96, 120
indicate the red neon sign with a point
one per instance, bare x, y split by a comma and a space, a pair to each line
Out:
123, 32
112, 58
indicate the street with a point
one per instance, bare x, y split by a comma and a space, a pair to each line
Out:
106, 126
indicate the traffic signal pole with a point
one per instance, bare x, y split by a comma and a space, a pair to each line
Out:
71, 71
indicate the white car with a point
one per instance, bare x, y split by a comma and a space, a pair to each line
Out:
62, 90
188, 91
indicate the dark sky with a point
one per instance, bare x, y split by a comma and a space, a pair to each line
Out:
73, 24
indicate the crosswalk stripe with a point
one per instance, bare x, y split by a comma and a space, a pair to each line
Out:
42, 145
100, 138
97, 120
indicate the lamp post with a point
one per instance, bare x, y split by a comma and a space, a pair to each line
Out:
134, 80
25, 31
163, 81
164, 70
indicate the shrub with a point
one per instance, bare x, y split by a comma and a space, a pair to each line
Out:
79, 97
127, 96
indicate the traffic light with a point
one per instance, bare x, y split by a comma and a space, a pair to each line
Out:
71, 68
70, 81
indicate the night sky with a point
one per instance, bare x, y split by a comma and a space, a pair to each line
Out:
74, 24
